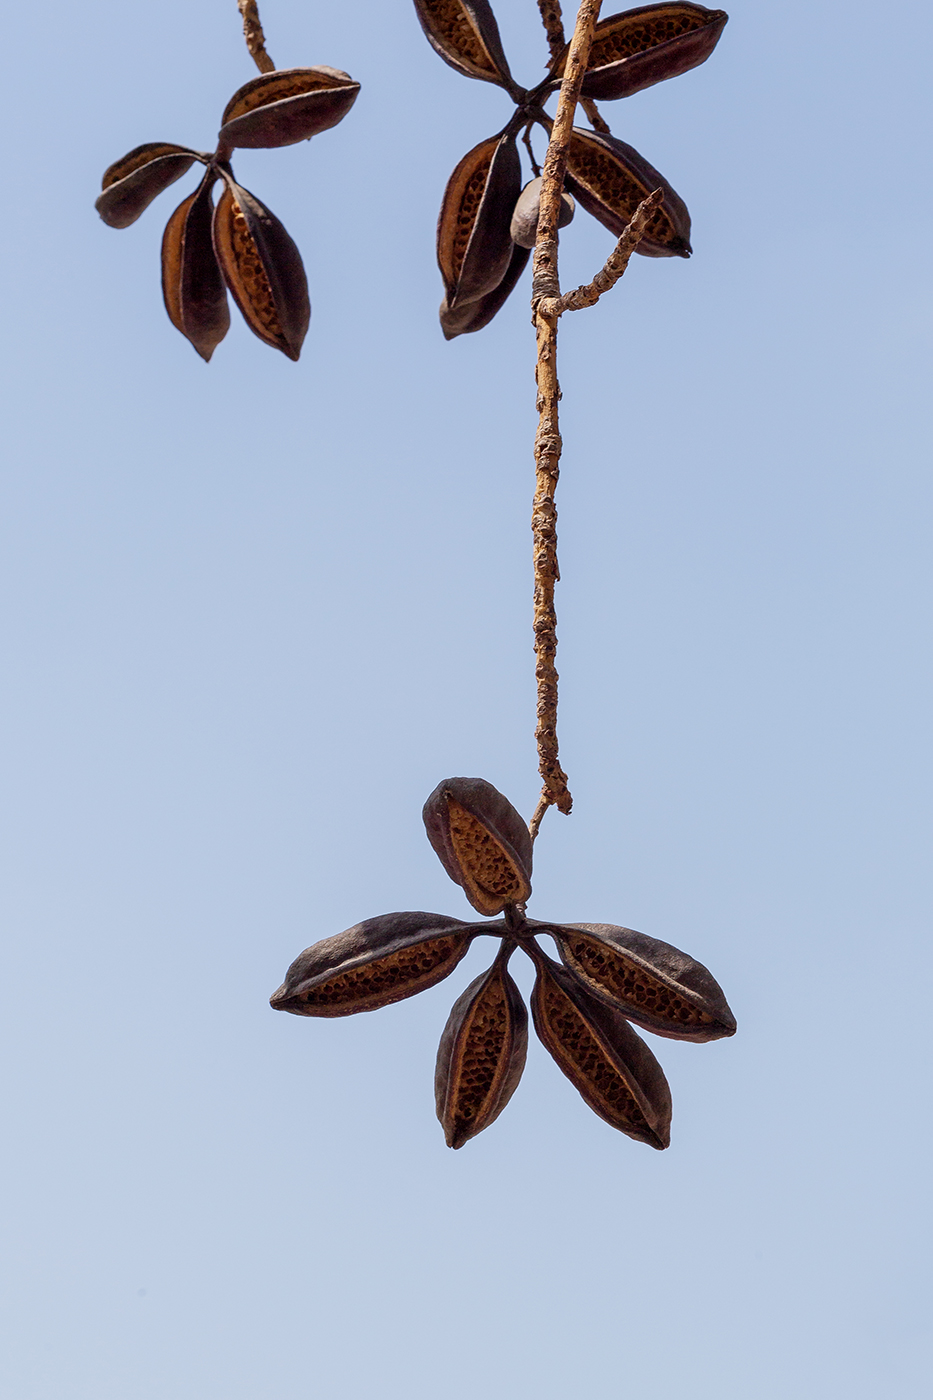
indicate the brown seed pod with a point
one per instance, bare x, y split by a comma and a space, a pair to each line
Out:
641, 47
601, 1055
610, 179
292, 104
193, 289
482, 1053
131, 184
650, 982
474, 246
373, 964
474, 315
262, 268
524, 226
481, 841
466, 35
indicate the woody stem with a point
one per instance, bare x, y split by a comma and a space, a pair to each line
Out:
252, 33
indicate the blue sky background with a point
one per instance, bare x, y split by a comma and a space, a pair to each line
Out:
253, 612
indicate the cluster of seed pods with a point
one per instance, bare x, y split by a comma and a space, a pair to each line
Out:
487, 222
238, 246
581, 1007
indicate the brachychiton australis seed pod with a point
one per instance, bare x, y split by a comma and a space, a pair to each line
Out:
481, 841
644, 46
193, 289
474, 315
610, 1066
289, 105
524, 226
466, 35
373, 964
131, 184
482, 1053
610, 179
650, 982
474, 245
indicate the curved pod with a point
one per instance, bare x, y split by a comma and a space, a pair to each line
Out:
474, 246
466, 35
481, 841
262, 268
192, 287
647, 45
610, 179
289, 105
131, 184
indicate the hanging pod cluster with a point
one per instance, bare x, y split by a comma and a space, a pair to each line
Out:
486, 226
583, 1007
237, 246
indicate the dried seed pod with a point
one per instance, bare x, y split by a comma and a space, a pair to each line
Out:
601, 1055
524, 226
131, 184
474, 315
482, 1053
466, 35
292, 104
373, 964
481, 841
610, 179
474, 246
193, 289
641, 47
652, 983
262, 268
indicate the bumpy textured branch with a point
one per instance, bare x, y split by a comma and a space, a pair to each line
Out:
546, 288
553, 23
255, 39
617, 261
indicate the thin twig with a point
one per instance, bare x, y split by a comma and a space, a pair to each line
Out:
526, 137
553, 23
592, 115
618, 259
252, 33
546, 289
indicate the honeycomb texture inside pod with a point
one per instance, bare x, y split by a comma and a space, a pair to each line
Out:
452, 26
604, 177
401, 970
632, 983
652, 30
483, 1046
580, 1046
481, 855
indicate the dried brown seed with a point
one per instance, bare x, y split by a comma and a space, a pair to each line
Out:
652, 983
193, 289
474, 246
466, 35
481, 841
640, 47
481, 1055
474, 315
373, 964
292, 104
610, 179
524, 226
601, 1055
262, 268
131, 184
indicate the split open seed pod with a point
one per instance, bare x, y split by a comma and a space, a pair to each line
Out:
474, 315
650, 982
289, 105
193, 289
481, 841
610, 179
131, 184
466, 35
262, 268
524, 225
601, 1055
373, 964
481, 1054
474, 246
644, 46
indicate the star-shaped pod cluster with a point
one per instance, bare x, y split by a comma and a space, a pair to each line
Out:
238, 246
582, 1006
484, 233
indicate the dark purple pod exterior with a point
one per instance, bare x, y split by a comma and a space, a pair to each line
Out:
289, 105
524, 225
192, 286
262, 268
650, 982
481, 1055
131, 184
481, 841
647, 45
610, 179
466, 35
474, 315
596, 1048
474, 246
374, 964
